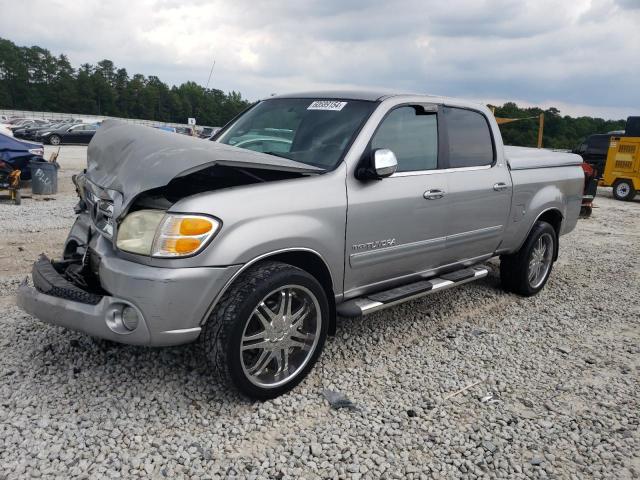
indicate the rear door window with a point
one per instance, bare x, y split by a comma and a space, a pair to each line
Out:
470, 140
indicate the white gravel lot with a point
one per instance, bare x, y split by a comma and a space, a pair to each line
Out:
558, 392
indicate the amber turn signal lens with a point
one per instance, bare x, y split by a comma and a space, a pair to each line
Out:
181, 245
195, 226
181, 235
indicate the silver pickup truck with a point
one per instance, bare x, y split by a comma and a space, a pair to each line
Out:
302, 209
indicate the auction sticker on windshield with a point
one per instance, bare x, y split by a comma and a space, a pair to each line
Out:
326, 105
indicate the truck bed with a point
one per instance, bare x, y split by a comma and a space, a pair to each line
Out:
542, 177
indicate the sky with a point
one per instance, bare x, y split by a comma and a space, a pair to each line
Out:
581, 56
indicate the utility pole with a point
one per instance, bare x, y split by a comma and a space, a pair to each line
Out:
540, 130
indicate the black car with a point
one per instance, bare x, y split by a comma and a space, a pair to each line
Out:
80, 133
27, 122
30, 132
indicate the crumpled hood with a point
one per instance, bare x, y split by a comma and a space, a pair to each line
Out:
132, 159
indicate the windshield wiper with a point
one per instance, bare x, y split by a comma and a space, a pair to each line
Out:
278, 154
282, 155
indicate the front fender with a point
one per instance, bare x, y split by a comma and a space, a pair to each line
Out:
246, 241
303, 213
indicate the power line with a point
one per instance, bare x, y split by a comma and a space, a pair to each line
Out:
210, 73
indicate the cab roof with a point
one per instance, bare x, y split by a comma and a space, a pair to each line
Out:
367, 95
378, 96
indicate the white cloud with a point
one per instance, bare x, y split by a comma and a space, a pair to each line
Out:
582, 55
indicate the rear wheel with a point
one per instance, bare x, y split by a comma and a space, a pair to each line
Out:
268, 330
527, 271
623, 190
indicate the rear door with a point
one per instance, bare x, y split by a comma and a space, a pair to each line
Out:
393, 230
480, 188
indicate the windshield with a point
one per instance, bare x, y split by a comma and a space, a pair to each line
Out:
315, 132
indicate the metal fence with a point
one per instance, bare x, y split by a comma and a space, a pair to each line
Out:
84, 118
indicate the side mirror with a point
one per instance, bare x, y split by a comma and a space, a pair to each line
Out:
381, 163
384, 162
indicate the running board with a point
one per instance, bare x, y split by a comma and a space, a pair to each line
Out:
405, 293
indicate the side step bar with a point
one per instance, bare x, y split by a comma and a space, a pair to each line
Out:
388, 298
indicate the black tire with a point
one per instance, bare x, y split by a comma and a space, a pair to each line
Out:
222, 335
623, 190
514, 269
55, 140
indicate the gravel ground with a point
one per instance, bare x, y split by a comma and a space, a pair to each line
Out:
553, 383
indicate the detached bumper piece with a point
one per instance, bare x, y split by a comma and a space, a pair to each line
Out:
404, 293
47, 280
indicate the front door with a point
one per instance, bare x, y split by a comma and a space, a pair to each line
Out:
73, 134
396, 226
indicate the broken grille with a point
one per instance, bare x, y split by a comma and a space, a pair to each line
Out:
101, 211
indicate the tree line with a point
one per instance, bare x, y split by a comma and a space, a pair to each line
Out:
31, 78
559, 131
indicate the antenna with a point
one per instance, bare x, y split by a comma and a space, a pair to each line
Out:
210, 73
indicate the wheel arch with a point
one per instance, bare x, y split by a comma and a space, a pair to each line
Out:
303, 258
553, 217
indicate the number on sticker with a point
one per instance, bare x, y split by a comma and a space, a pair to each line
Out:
327, 105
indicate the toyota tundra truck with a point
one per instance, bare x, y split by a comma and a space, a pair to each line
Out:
302, 209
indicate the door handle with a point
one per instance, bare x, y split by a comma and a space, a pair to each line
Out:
498, 187
433, 194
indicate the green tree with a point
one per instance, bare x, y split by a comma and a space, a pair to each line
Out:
33, 79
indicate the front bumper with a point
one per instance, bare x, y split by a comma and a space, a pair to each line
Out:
171, 303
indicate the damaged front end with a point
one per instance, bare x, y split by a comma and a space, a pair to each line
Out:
95, 216
132, 292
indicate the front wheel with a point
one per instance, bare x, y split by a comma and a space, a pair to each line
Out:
54, 140
268, 330
623, 190
528, 270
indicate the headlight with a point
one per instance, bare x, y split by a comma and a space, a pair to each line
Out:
137, 231
45, 133
160, 234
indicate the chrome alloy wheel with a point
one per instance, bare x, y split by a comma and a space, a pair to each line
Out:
623, 189
540, 260
281, 335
